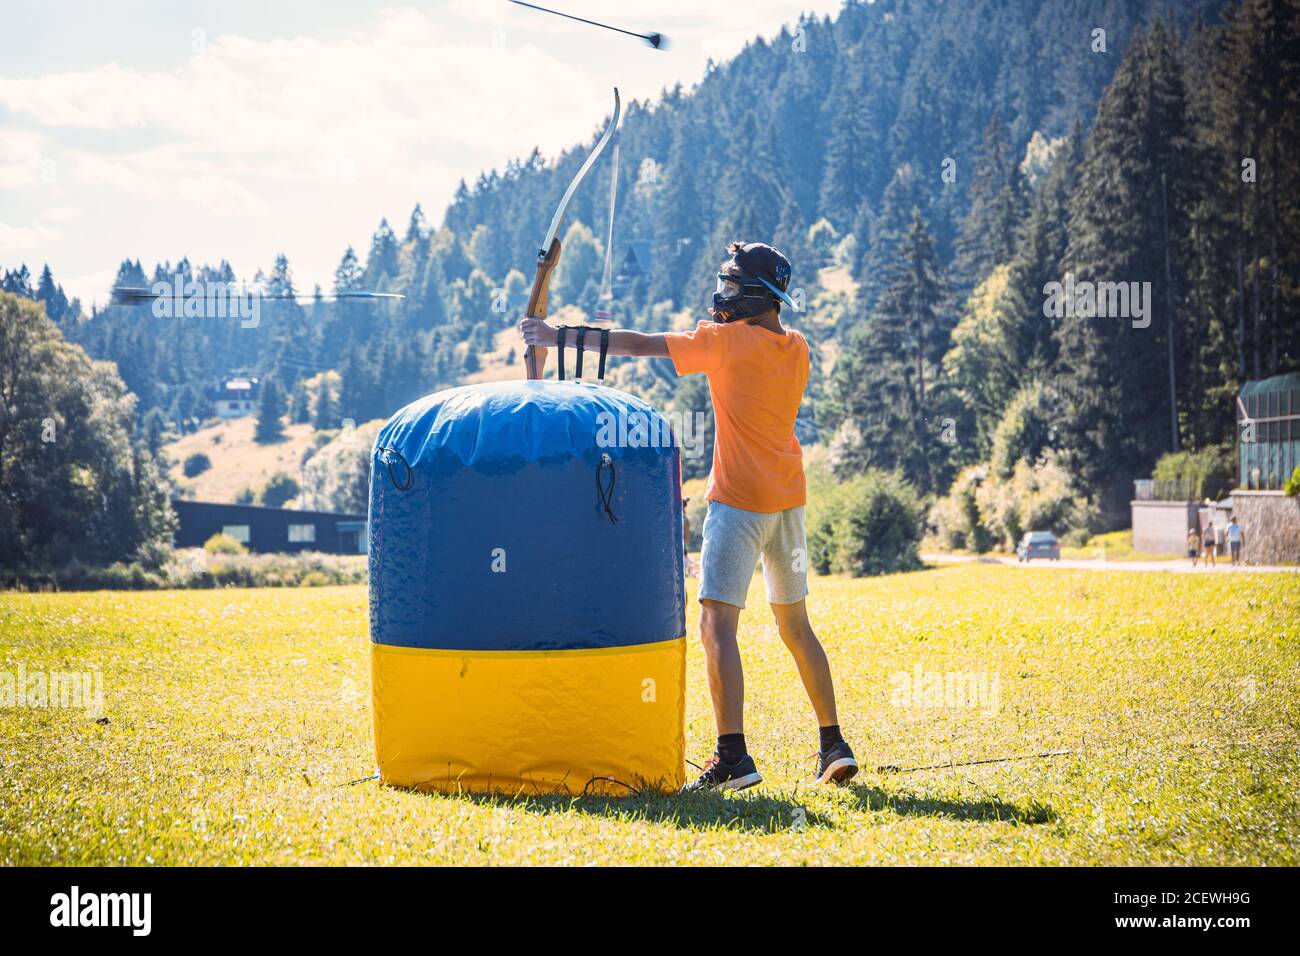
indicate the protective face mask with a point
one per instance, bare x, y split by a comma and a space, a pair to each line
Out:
731, 302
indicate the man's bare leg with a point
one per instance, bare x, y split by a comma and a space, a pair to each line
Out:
718, 622
731, 767
835, 760
809, 656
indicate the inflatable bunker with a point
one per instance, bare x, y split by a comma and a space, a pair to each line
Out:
527, 608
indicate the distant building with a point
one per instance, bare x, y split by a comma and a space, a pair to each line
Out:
1268, 451
1268, 432
636, 264
269, 529
236, 397
1161, 526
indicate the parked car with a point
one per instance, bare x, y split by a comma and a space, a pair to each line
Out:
1038, 544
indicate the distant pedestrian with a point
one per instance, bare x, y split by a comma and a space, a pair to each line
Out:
1234, 539
1208, 541
1193, 545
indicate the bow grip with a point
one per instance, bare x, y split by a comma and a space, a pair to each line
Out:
535, 356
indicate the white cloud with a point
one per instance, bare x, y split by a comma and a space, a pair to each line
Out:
25, 240
61, 213
20, 158
106, 97
258, 145
296, 145
269, 105
167, 179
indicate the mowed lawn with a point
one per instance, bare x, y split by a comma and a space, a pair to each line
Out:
236, 716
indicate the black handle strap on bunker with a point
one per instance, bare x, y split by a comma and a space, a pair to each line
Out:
606, 495
391, 456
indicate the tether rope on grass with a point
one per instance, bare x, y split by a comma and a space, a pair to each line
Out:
1186, 744
890, 768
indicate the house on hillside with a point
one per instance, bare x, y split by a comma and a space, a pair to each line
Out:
236, 397
636, 264
1268, 451
269, 529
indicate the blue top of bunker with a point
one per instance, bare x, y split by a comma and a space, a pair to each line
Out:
500, 427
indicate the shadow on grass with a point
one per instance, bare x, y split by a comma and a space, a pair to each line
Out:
984, 811
743, 813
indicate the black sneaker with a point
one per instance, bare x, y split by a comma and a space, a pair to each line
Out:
726, 776
836, 765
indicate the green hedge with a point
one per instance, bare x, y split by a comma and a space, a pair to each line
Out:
193, 568
867, 525
1207, 473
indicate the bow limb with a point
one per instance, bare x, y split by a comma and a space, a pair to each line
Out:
549, 253
535, 356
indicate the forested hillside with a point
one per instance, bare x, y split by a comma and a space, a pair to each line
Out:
952, 158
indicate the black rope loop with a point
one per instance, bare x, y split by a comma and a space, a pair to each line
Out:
631, 789
606, 495
387, 456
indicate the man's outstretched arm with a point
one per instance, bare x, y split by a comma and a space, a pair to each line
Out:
541, 333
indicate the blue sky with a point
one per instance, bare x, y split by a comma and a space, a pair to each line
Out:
151, 129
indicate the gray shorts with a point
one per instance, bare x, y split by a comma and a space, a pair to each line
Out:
733, 542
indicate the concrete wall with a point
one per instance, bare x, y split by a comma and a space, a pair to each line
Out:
1270, 524
1160, 527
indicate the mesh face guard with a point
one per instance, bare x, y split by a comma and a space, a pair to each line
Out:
738, 296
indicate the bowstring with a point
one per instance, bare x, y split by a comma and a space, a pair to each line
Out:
606, 295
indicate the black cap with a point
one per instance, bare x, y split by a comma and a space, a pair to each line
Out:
767, 265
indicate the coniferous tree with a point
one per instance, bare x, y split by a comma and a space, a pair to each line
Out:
382, 261
153, 430
1038, 258
676, 223
270, 412
851, 149
886, 385
750, 197
18, 281
417, 230
997, 209
1126, 215
902, 197
291, 345
326, 412
51, 295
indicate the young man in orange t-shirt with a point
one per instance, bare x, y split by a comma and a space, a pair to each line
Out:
757, 371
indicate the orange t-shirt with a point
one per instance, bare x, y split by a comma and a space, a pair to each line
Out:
756, 380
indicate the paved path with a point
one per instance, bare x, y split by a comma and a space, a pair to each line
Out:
1174, 565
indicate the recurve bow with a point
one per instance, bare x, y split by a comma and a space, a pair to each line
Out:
548, 254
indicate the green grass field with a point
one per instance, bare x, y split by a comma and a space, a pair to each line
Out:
234, 716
